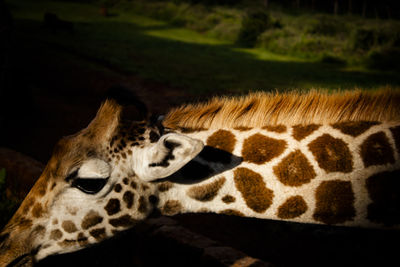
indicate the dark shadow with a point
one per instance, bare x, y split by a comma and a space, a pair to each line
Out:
112, 14
133, 107
297, 244
284, 244
210, 162
140, 246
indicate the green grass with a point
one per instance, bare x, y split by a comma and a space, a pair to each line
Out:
302, 34
181, 57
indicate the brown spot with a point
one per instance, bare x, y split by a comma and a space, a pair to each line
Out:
128, 199
376, 150
82, 239
171, 207
302, 131
153, 136
396, 136
334, 202
332, 154
228, 199
242, 128
98, 234
292, 208
223, 140
27, 204
133, 184
123, 221
260, 149
231, 212
206, 192
125, 181
153, 199
203, 210
145, 187
117, 188
165, 186
39, 230
69, 226
275, 128
24, 223
123, 155
142, 205
294, 170
67, 243
72, 210
91, 219
55, 221
37, 210
113, 206
384, 191
354, 128
56, 234
253, 189
41, 186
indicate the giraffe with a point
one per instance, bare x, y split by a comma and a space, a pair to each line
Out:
303, 157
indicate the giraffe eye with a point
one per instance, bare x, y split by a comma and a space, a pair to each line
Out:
90, 185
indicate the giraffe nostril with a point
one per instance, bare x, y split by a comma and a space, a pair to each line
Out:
3, 242
4, 237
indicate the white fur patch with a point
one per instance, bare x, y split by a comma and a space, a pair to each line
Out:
94, 168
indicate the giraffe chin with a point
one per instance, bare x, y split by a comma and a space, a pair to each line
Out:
18, 254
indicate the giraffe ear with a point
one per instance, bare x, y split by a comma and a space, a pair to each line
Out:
105, 122
168, 155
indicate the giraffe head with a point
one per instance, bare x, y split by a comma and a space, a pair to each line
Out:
96, 184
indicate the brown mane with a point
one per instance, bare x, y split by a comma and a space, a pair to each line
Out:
260, 109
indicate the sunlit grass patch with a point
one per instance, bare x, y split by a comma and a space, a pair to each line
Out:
192, 60
184, 35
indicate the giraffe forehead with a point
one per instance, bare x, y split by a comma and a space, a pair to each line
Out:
70, 152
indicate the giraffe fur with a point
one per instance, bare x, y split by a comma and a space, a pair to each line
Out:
299, 179
288, 163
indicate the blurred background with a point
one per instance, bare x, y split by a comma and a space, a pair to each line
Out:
59, 59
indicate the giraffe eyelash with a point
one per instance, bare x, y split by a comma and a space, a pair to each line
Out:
86, 184
89, 185
72, 176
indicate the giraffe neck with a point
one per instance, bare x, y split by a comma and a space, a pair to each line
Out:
342, 174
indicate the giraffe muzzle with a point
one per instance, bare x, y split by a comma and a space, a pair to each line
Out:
15, 251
